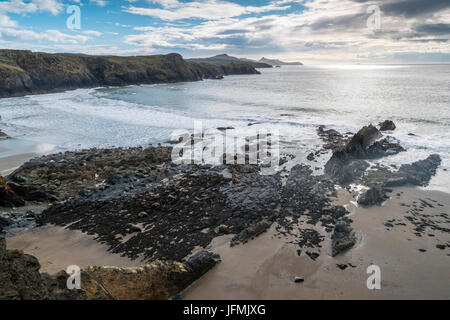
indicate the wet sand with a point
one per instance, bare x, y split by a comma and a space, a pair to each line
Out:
265, 267
57, 248
11, 163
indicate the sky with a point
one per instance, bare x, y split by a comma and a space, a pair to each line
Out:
311, 31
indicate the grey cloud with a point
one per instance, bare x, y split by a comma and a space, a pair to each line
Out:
435, 29
413, 8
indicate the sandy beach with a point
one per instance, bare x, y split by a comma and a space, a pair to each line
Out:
265, 267
57, 248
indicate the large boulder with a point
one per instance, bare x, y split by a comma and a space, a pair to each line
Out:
387, 125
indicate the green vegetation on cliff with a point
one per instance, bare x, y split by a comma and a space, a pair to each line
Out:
26, 72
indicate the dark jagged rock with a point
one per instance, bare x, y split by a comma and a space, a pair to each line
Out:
332, 138
387, 125
363, 145
343, 237
418, 173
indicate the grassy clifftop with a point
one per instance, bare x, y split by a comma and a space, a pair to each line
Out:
26, 72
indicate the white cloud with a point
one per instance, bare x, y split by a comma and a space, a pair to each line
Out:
49, 35
202, 9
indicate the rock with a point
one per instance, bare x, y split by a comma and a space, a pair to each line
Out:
251, 232
299, 280
387, 125
352, 171
222, 229
159, 280
20, 279
8, 198
420, 172
143, 214
333, 139
3, 135
4, 222
312, 255
225, 128
310, 157
363, 145
342, 266
363, 139
373, 196
343, 237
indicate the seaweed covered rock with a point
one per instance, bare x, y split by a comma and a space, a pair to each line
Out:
8, 198
343, 237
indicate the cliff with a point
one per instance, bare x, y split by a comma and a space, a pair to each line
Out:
276, 62
26, 72
223, 59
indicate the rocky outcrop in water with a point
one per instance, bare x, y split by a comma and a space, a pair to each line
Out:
346, 164
387, 125
26, 72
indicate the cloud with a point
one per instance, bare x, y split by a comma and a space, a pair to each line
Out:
49, 35
203, 9
21, 7
434, 29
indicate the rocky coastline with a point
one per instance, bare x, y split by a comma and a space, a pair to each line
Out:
25, 72
142, 206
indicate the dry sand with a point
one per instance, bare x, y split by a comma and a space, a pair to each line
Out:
265, 267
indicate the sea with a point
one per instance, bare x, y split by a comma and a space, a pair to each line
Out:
292, 100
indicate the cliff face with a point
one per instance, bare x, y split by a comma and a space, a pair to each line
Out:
26, 72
